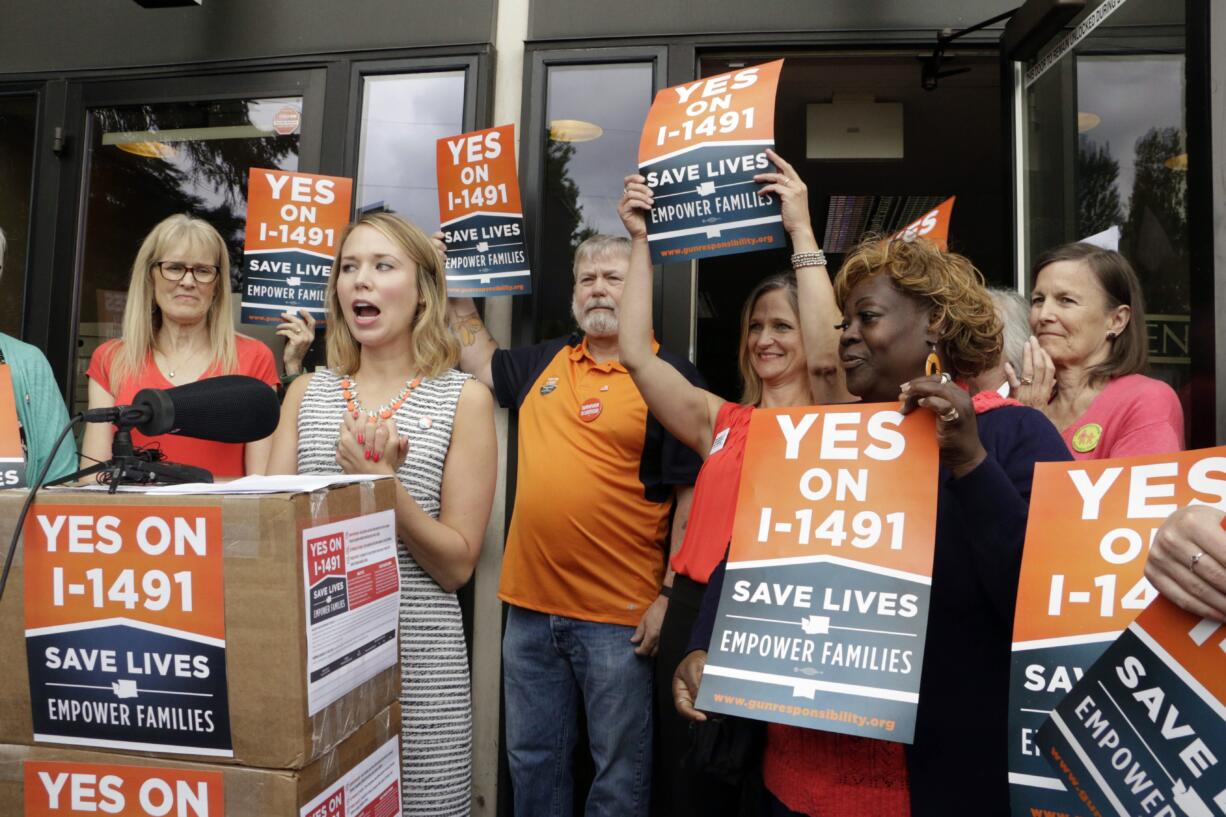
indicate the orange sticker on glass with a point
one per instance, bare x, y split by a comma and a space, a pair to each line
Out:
834, 538
1082, 582
125, 626
63, 789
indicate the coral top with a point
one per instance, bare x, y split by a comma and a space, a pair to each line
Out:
221, 459
714, 504
1133, 415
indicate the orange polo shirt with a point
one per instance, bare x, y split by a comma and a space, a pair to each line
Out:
594, 486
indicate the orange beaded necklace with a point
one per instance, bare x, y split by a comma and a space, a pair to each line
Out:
349, 390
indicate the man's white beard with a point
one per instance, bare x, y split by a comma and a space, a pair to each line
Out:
599, 323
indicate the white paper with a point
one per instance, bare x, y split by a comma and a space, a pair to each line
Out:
371, 787
258, 484
351, 590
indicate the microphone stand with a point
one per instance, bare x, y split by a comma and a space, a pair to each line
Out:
129, 465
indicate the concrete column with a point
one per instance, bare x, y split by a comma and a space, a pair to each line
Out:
510, 32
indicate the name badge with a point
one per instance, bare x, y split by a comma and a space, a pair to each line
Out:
719, 441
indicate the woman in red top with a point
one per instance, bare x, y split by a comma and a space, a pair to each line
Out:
177, 329
1083, 366
785, 360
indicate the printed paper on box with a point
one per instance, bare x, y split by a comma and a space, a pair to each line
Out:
701, 146
824, 611
1082, 583
369, 789
125, 627
293, 223
352, 593
482, 219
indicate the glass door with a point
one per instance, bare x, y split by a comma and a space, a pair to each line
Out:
1103, 156
150, 149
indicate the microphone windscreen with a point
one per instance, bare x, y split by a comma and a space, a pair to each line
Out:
226, 409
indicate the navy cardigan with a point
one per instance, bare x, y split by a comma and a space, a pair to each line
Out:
958, 763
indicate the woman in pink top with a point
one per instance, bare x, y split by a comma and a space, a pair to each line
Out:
1082, 367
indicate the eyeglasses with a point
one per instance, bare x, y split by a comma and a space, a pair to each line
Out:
174, 271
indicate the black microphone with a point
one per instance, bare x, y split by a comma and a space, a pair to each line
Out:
231, 408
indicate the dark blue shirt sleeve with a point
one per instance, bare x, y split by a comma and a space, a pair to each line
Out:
678, 464
704, 625
994, 499
515, 370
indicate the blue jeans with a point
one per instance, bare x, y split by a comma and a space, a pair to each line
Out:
550, 665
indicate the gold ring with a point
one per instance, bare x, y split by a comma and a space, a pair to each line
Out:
1026, 381
1195, 559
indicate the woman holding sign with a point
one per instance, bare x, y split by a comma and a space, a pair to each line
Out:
908, 306
177, 329
390, 403
788, 357
1083, 366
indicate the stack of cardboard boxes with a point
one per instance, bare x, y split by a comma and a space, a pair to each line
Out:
201, 655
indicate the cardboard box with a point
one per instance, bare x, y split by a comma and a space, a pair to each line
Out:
115, 606
43, 781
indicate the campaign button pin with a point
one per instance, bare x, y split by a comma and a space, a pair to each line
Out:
1087, 437
590, 409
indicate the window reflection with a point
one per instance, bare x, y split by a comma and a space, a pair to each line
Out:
597, 113
16, 173
1107, 158
403, 117
146, 162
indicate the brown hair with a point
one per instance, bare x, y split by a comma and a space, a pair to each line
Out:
964, 318
751, 388
1130, 349
432, 347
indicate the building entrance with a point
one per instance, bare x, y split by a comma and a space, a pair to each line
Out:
877, 151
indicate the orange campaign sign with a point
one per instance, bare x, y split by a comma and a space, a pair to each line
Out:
824, 610
62, 789
933, 225
700, 148
481, 216
1090, 527
12, 452
125, 627
293, 223
1144, 732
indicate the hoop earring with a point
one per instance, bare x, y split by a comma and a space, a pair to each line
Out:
932, 365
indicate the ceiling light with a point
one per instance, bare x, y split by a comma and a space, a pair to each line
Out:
150, 150
574, 130
1177, 163
1087, 121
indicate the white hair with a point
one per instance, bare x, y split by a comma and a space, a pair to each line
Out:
601, 245
1014, 315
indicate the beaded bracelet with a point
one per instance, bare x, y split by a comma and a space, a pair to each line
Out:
808, 259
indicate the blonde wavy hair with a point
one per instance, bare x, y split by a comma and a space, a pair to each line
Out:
963, 317
141, 316
432, 347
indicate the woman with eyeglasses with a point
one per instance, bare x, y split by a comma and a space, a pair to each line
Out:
177, 329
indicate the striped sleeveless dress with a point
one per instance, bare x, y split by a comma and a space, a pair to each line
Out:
436, 732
